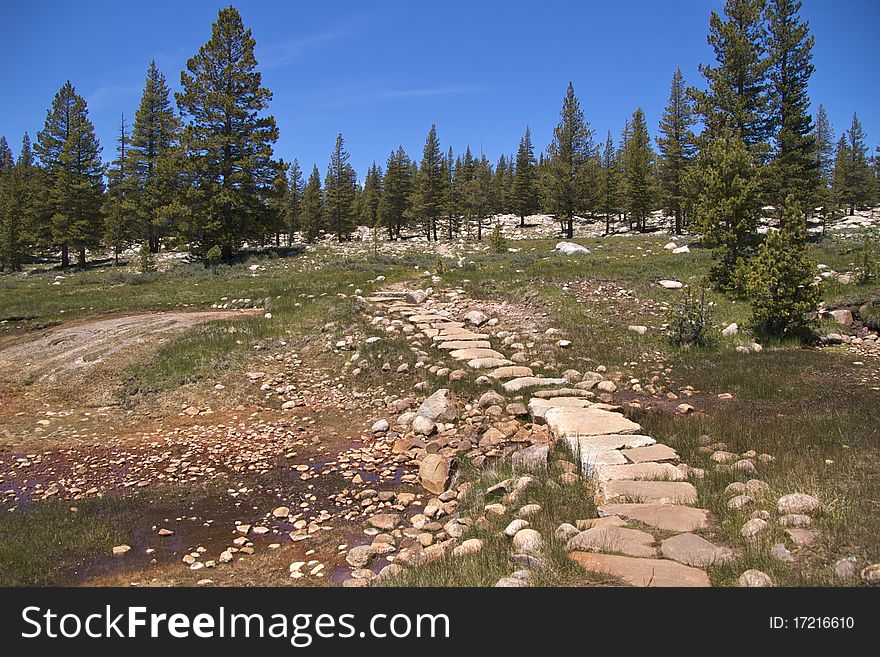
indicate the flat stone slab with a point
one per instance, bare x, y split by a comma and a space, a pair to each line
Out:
562, 392
447, 325
649, 471
427, 319
578, 444
695, 550
566, 422
487, 363
608, 538
511, 372
637, 571
538, 407
655, 453
669, 517
469, 354
447, 336
656, 492
594, 459
452, 345
523, 382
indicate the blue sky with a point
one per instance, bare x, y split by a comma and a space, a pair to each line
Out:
382, 72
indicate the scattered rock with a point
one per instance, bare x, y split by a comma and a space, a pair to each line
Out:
753, 578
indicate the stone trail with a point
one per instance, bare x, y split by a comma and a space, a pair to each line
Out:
641, 488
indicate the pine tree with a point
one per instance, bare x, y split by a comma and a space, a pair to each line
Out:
481, 193
119, 205
339, 193
637, 163
372, 197
155, 160
736, 97
677, 149
728, 207
501, 186
852, 175
295, 186
312, 217
9, 220
429, 188
450, 198
228, 140
277, 202
608, 182
71, 156
823, 154
18, 204
526, 200
793, 168
780, 279
394, 206
465, 174
569, 153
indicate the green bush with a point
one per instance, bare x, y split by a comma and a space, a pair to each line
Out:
691, 322
497, 241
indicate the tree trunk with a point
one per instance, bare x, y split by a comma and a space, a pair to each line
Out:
569, 231
226, 252
65, 256
522, 221
82, 257
677, 221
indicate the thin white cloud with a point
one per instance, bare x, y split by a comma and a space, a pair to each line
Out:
110, 94
278, 55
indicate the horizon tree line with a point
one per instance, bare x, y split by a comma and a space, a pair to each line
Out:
201, 170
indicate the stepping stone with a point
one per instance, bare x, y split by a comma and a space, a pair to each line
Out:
464, 344
636, 571
694, 550
447, 336
486, 363
640, 472
563, 392
426, 319
469, 354
657, 492
538, 407
657, 453
447, 325
510, 372
669, 517
566, 422
515, 385
578, 444
632, 542
594, 459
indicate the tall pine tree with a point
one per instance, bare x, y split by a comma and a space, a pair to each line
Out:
569, 152
525, 183
677, 149
793, 168
71, 156
155, 160
638, 160
394, 207
429, 189
609, 179
852, 174
228, 138
295, 187
312, 217
118, 202
339, 193
736, 98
